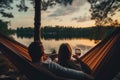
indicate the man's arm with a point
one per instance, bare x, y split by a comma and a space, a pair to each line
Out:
49, 75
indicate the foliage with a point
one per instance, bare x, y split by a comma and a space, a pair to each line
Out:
6, 4
59, 32
4, 28
67, 32
103, 10
22, 6
47, 3
25, 32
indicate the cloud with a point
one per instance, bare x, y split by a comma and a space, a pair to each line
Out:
78, 3
59, 19
67, 15
62, 10
81, 18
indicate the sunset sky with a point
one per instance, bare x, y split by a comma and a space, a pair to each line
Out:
77, 15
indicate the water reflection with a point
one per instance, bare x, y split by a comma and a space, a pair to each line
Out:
52, 44
85, 38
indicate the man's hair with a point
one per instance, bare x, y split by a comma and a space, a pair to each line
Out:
36, 51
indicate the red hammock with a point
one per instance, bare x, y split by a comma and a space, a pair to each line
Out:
104, 58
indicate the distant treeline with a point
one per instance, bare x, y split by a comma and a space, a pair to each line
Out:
60, 32
25, 32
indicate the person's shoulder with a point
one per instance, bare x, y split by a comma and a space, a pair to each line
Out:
47, 61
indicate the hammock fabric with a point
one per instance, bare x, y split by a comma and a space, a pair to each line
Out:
18, 55
103, 59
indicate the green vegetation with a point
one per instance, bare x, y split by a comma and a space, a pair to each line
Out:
25, 32
4, 28
62, 32
59, 32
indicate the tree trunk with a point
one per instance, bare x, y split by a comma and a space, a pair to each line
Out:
36, 48
37, 20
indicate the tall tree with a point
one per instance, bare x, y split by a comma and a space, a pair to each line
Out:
103, 10
40, 4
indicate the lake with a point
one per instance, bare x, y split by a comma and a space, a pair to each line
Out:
26, 19
83, 43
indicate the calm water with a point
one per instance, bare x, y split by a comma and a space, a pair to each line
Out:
26, 19
49, 45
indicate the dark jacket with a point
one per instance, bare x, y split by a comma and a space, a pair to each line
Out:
77, 65
70, 64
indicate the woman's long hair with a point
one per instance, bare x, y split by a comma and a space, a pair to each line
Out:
64, 53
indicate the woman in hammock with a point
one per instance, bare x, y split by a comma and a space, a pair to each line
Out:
65, 59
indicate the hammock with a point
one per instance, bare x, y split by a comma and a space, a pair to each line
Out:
18, 55
102, 59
